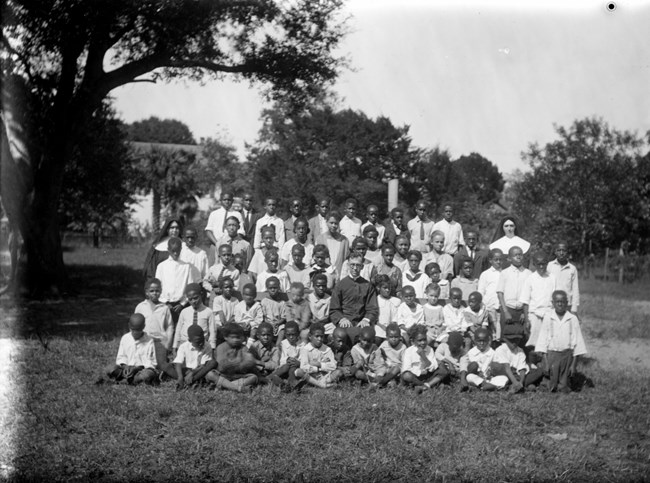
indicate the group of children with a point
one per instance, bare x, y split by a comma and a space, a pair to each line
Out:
449, 312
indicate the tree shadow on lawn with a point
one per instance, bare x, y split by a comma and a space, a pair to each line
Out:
103, 298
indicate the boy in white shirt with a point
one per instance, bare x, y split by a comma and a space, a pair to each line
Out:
452, 230
136, 356
193, 362
536, 297
317, 363
269, 220
175, 275
566, 275
350, 225
419, 366
192, 254
487, 287
159, 324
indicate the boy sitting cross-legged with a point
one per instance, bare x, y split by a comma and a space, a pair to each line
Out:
235, 364
193, 362
317, 363
136, 356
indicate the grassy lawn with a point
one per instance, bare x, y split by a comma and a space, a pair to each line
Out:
58, 426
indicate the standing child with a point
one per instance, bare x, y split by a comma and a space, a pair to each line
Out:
158, 323
372, 217
265, 352
337, 244
432, 269
223, 306
237, 242
235, 364
273, 308
290, 348
370, 235
297, 309
319, 303
466, 281
566, 275
480, 357
392, 353
318, 224
433, 317
388, 305
420, 228
258, 262
248, 313
452, 231
223, 267
317, 363
510, 360
388, 268
452, 356
320, 266
269, 220
395, 226
476, 314
368, 366
438, 255
195, 314
175, 275
402, 249
419, 366
238, 261
473, 252
487, 287
415, 277
536, 297
350, 224
368, 271
297, 271
410, 312
193, 362
301, 238
136, 356
453, 313
509, 287
192, 254
561, 343
272, 270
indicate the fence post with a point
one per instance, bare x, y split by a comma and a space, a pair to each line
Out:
606, 263
621, 270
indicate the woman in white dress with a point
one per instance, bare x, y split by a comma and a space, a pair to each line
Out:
506, 236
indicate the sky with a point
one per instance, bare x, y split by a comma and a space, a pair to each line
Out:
487, 77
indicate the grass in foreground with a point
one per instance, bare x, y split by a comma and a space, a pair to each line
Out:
71, 430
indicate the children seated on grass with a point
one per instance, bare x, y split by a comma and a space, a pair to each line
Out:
402, 249
193, 363
561, 343
223, 267
487, 287
297, 271
370, 235
510, 361
419, 366
320, 266
388, 305
392, 353
192, 254
452, 356
272, 270
409, 312
368, 366
434, 319
175, 275
223, 305
413, 276
386, 267
273, 309
465, 280
265, 351
566, 275
432, 269
290, 348
438, 255
136, 357
297, 309
319, 302
340, 345
300, 238
337, 244
195, 314
236, 366
317, 363
157, 319
248, 313
536, 297
479, 358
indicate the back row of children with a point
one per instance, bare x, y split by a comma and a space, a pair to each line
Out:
502, 304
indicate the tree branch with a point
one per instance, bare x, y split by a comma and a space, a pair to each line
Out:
212, 66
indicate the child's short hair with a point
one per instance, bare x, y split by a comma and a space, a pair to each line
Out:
297, 286
396, 210
368, 332
272, 253
385, 247
358, 241
417, 329
493, 252
298, 248
319, 277
264, 325
465, 260
408, 288
136, 321
322, 249
268, 229
430, 266
540, 256
558, 292
150, 282
270, 280
232, 328
315, 327
249, 287
432, 288
334, 214
393, 327
301, 219
476, 295
293, 325
482, 331
190, 228
370, 229
455, 339
455, 290
269, 198
192, 287
223, 280
402, 237
224, 246
437, 233
232, 218
351, 200
382, 280
174, 243
195, 331
415, 253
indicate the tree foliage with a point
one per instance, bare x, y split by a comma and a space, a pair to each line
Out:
590, 186
155, 130
62, 58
